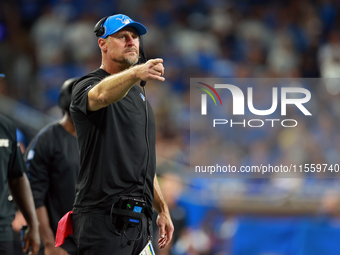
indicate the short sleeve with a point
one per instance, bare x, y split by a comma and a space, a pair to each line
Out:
79, 94
16, 166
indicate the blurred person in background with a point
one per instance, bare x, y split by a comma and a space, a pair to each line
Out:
329, 56
116, 136
53, 164
13, 179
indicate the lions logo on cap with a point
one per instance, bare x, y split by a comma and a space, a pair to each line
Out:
124, 20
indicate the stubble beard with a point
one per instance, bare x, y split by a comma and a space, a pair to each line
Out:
130, 60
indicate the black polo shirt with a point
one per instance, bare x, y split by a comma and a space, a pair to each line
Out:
114, 155
11, 166
52, 159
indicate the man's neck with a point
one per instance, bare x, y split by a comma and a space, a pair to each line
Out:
114, 68
67, 124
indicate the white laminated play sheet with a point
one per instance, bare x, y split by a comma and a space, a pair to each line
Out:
148, 250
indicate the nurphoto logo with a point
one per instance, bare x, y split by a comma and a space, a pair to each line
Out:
238, 102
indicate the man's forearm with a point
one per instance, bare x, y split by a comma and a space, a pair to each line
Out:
22, 194
159, 203
46, 233
116, 86
166, 228
111, 89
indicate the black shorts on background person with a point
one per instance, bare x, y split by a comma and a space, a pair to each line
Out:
115, 129
53, 165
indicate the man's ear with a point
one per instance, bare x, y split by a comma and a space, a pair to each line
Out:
102, 44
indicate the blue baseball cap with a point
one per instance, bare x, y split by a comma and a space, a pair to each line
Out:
116, 22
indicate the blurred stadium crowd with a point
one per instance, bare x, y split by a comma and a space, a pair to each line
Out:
43, 43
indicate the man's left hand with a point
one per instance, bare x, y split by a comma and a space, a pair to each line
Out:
32, 239
166, 229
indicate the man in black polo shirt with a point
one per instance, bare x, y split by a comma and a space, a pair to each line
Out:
13, 179
53, 164
116, 136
